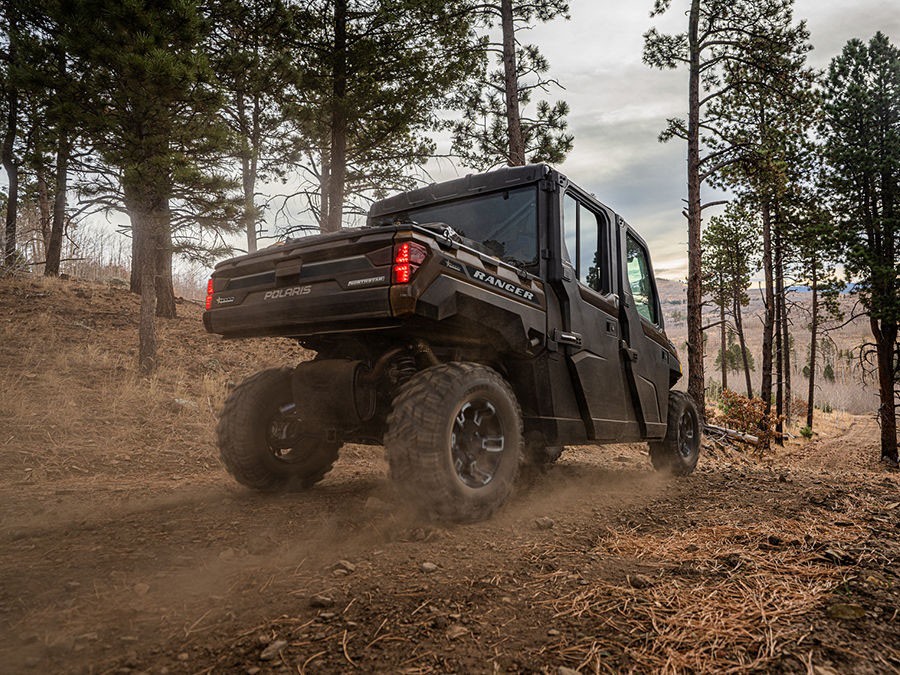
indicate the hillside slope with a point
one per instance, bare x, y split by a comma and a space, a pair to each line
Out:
125, 547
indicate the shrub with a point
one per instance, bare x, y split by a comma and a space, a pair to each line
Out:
747, 415
799, 406
806, 432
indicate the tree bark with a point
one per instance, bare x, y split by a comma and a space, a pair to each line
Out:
723, 335
248, 181
57, 229
779, 336
765, 389
249, 164
10, 165
338, 151
147, 344
138, 246
813, 338
885, 334
696, 385
324, 179
739, 327
165, 291
511, 85
786, 340
142, 206
43, 208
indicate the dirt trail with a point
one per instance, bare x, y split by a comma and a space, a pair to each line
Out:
140, 562
124, 547
205, 576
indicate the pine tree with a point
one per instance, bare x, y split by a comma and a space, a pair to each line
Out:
50, 113
814, 268
727, 44
731, 253
148, 108
861, 131
10, 79
374, 76
251, 45
494, 129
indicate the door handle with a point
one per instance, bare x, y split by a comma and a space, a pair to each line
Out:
567, 338
631, 354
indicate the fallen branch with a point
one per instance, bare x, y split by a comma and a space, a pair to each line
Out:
722, 432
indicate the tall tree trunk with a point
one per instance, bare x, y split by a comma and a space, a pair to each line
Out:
165, 291
54, 250
886, 282
141, 206
10, 165
324, 179
43, 209
786, 341
813, 337
739, 327
724, 336
248, 182
885, 334
695, 274
765, 389
338, 149
147, 344
779, 336
249, 163
138, 247
511, 85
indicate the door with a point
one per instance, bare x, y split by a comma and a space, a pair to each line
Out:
645, 351
593, 331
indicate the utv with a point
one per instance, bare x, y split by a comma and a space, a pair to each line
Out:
470, 327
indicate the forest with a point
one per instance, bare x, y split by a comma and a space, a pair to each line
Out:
141, 141
174, 114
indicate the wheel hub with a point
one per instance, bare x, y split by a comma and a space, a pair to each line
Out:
686, 434
477, 442
283, 432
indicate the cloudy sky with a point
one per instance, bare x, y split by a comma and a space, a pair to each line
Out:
619, 105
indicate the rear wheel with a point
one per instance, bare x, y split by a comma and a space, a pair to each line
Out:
679, 451
454, 441
263, 440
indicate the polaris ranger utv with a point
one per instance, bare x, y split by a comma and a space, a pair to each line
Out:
470, 327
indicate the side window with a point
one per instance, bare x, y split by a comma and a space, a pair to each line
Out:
570, 229
590, 270
584, 243
639, 280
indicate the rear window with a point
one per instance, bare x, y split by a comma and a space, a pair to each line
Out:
503, 223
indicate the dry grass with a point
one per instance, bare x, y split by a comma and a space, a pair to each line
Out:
73, 401
725, 598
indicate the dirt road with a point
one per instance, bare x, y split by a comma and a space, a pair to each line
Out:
597, 565
133, 551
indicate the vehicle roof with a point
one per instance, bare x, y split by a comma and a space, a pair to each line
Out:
473, 184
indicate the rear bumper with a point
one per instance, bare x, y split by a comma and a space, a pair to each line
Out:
322, 310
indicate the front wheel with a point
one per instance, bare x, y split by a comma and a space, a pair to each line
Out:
679, 451
454, 441
264, 441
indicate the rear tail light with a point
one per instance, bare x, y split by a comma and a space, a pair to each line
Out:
209, 294
407, 258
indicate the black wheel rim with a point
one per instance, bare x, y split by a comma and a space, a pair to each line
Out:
477, 442
283, 434
687, 434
